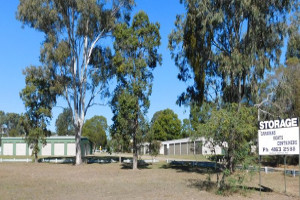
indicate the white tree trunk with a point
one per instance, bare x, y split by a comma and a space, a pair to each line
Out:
78, 146
135, 155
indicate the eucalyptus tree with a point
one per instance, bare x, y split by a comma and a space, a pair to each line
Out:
165, 125
281, 95
227, 46
74, 48
136, 48
64, 123
95, 129
9, 124
187, 129
293, 71
39, 97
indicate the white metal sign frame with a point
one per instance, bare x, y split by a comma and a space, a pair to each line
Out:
279, 137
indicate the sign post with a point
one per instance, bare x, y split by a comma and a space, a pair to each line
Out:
284, 174
279, 137
259, 175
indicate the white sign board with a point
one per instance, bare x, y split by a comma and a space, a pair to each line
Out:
279, 137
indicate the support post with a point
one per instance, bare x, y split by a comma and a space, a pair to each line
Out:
259, 174
284, 174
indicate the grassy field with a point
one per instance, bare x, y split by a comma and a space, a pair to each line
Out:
116, 181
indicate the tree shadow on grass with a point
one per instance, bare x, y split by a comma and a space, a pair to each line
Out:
141, 165
126, 161
101, 159
87, 159
203, 185
187, 167
58, 159
210, 186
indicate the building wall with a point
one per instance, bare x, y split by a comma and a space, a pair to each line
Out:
56, 146
186, 146
59, 149
7, 149
21, 149
46, 150
71, 149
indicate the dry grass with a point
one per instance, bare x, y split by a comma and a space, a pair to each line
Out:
162, 157
112, 181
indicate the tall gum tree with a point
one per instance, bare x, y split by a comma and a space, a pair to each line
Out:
136, 56
227, 46
73, 50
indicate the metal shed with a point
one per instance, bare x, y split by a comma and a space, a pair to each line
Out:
186, 146
56, 146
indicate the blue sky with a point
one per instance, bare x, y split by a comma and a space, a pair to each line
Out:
20, 47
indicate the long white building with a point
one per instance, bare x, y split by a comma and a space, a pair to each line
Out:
185, 146
56, 146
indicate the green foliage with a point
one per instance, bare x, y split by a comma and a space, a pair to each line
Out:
281, 96
226, 47
64, 123
235, 183
39, 96
232, 129
35, 136
165, 125
187, 129
125, 113
136, 48
199, 115
293, 49
154, 148
10, 124
119, 142
73, 50
95, 129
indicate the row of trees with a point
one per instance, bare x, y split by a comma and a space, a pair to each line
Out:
77, 65
164, 125
225, 48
